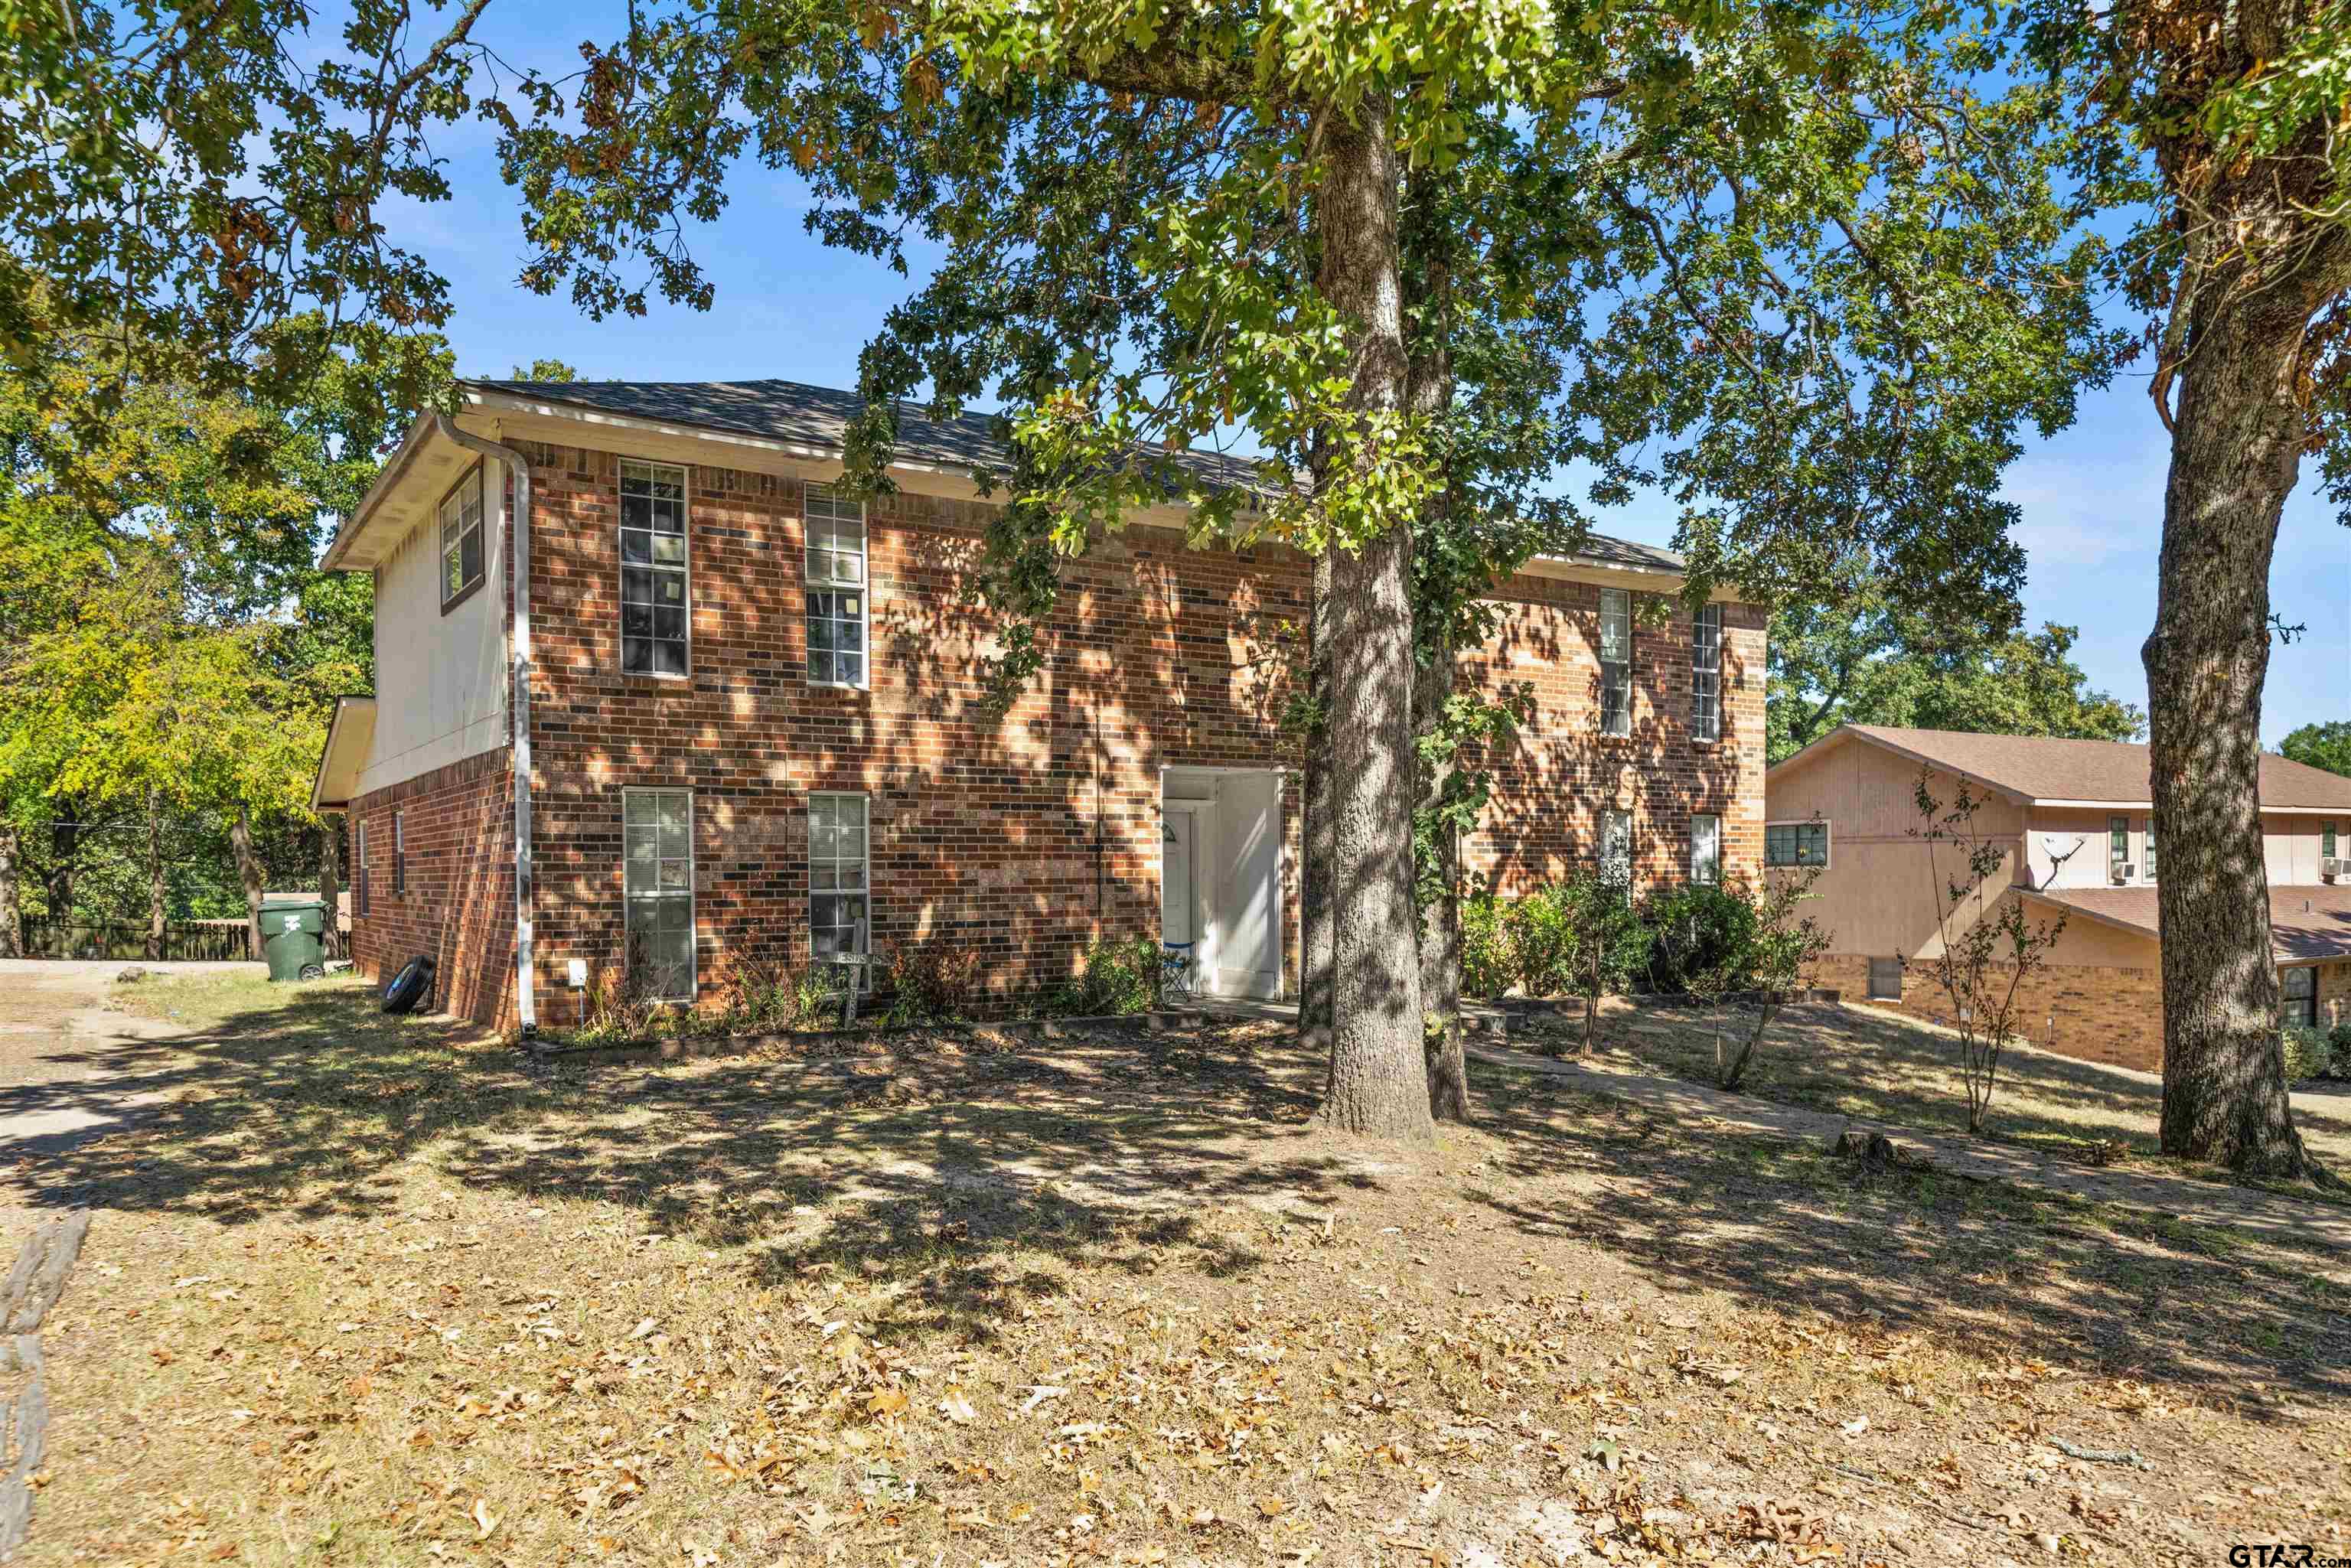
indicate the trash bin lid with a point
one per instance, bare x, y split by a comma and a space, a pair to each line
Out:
293, 904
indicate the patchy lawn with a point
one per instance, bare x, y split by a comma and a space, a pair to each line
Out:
358, 1294
1886, 1069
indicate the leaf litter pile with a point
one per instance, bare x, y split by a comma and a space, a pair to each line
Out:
359, 1294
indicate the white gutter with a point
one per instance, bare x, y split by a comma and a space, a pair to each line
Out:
525, 988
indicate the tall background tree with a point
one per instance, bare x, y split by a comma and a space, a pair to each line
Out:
2326, 746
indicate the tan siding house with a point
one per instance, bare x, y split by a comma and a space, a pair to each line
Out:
2075, 824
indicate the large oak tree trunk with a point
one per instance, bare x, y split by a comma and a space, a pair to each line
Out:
2237, 443
1440, 919
248, 872
155, 881
1315, 911
12, 914
1378, 1081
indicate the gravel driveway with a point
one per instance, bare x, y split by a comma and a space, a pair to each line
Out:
71, 1070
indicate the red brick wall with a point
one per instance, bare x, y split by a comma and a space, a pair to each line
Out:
983, 823
457, 824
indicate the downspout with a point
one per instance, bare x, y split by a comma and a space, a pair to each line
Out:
526, 986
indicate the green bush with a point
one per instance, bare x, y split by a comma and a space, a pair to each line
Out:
1699, 931
2338, 1050
2308, 1053
1120, 975
1542, 941
1486, 967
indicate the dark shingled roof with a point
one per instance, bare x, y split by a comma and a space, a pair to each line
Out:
818, 417
2307, 923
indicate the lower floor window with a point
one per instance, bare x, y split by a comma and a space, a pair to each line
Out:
1886, 979
840, 914
1706, 850
657, 873
2301, 988
1616, 848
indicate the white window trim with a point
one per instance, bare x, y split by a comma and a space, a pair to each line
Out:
398, 855
620, 567
865, 808
474, 480
1600, 857
1599, 648
1716, 817
362, 899
2148, 870
1697, 620
1828, 841
692, 896
864, 603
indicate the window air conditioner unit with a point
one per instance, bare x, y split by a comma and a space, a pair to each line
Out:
2337, 867
2123, 871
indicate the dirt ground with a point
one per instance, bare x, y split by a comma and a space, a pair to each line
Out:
357, 1293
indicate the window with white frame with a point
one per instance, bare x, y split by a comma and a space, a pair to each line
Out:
653, 588
1706, 848
462, 550
836, 588
2147, 867
1615, 661
398, 855
360, 865
2118, 848
1617, 847
1706, 672
657, 886
840, 911
2327, 841
1795, 844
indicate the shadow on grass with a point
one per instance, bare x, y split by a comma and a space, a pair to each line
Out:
1995, 1269
956, 1183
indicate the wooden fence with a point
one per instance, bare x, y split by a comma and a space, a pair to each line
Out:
181, 939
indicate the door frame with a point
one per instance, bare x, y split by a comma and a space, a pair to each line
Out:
1205, 826
1203, 908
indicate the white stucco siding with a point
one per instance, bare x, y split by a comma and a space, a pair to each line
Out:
440, 679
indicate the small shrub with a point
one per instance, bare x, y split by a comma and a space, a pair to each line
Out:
930, 982
1118, 975
1486, 967
2308, 1053
1699, 930
2338, 1050
615, 1006
1540, 933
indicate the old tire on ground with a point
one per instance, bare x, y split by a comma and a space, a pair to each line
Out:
410, 986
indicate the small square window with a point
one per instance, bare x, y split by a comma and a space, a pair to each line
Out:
1886, 979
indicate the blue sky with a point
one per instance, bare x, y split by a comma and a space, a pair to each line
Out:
2091, 497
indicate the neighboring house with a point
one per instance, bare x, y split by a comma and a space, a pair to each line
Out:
2075, 824
736, 719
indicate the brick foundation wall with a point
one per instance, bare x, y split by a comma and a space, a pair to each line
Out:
457, 905
984, 822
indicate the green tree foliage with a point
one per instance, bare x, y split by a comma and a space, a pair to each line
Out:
1843, 662
2326, 746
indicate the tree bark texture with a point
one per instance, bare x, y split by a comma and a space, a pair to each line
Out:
155, 881
248, 872
2257, 273
330, 879
1440, 921
1378, 1081
1314, 907
12, 914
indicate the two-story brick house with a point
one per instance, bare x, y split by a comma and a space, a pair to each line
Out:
2074, 826
704, 707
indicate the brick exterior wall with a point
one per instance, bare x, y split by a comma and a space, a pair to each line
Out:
457, 901
985, 824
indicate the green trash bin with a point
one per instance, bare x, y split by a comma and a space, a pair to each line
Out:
293, 937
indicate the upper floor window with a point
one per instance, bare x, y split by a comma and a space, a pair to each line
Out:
1706, 672
2326, 841
836, 588
1796, 843
1706, 848
2118, 848
657, 887
462, 552
2146, 868
653, 595
1615, 662
359, 866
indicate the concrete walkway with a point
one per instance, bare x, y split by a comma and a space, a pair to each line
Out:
1698, 1108
71, 1068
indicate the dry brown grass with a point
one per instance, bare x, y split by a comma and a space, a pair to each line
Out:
1882, 1068
358, 1295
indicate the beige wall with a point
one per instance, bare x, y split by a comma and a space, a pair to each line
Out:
2291, 843
1878, 896
440, 678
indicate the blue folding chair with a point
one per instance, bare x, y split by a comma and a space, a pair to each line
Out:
1175, 970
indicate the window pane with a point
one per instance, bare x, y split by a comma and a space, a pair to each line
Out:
848, 669
821, 668
636, 547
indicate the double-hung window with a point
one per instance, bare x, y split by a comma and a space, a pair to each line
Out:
1616, 848
836, 588
1796, 843
2327, 841
2147, 867
1615, 661
653, 589
2298, 987
462, 551
1706, 672
657, 887
360, 865
2118, 848
840, 911
398, 855
1706, 848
